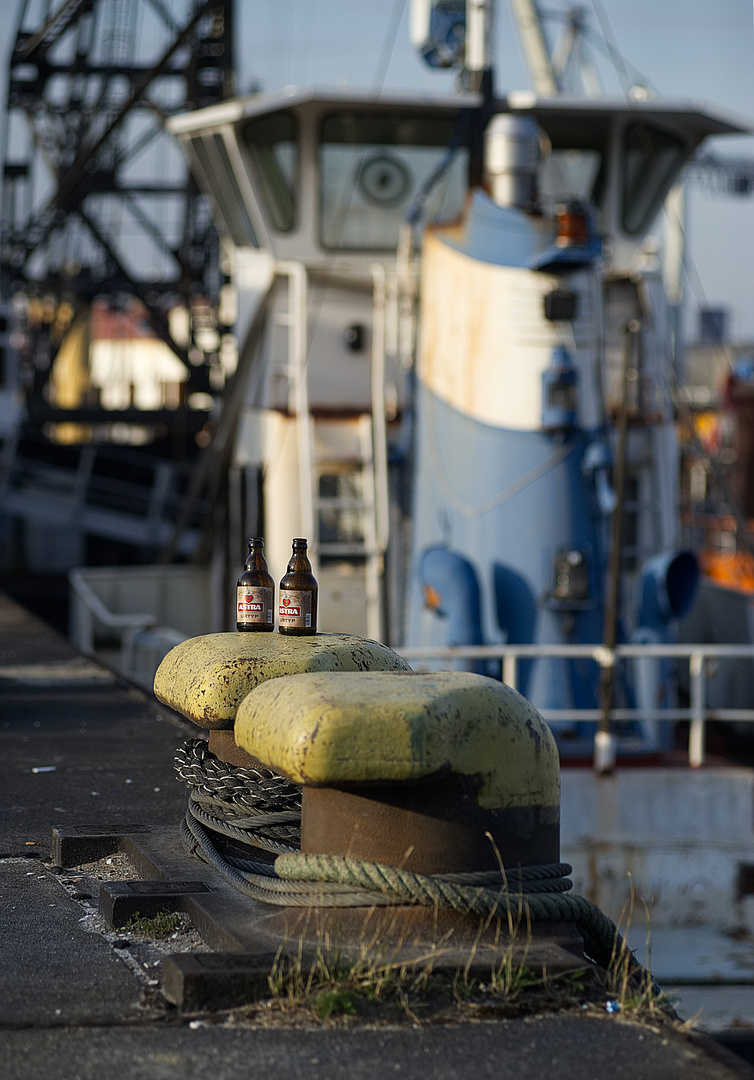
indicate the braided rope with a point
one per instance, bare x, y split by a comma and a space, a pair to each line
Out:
240, 816
401, 886
259, 881
257, 835
260, 802
603, 941
252, 805
256, 789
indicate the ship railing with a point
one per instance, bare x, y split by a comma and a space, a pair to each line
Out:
697, 656
116, 506
129, 617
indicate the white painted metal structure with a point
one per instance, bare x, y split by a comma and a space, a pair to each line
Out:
698, 658
318, 409
298, 216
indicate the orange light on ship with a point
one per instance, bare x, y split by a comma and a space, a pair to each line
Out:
573, 225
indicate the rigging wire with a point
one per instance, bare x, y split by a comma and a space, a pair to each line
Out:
680, 399
636, 76
312, 20
381, 69
694, 281
291, 31
388, 45
618, 61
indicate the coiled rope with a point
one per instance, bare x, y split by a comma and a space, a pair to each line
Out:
253, 806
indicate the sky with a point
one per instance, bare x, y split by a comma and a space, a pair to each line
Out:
700, 50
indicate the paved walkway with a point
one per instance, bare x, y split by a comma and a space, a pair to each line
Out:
79, 747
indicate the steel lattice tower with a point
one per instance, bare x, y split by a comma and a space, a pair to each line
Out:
97, 200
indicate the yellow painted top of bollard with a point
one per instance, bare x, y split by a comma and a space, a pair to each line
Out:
331, 729
206, 678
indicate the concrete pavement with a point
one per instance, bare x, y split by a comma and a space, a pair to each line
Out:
77, 746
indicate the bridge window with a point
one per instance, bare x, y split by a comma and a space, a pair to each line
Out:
373, 167
571, 174
651, 159
271, 143
220, 178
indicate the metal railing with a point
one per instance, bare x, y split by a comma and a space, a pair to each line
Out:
697, 656
102, 490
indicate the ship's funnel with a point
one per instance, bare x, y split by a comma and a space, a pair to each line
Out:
511, 159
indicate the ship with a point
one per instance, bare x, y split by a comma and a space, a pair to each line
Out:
456, 373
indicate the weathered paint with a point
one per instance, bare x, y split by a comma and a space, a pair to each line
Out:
330, 729
514, 499
431, 827
676, 840
207, 677
485, 341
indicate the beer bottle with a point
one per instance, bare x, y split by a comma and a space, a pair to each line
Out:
297, 599
255, 592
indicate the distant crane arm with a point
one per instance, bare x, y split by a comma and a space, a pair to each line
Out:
723, 176
537, 54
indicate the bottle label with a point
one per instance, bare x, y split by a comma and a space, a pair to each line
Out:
254, 605
295, 609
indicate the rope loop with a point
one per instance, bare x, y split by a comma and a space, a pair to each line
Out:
262, 810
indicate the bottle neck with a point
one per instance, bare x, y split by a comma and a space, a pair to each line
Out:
299, 561
255, 560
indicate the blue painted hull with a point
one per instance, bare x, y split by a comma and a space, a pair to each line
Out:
508, 502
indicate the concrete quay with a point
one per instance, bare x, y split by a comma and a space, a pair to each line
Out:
79, 748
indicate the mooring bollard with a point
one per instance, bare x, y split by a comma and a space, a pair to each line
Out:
434, 772
432, 797
206, 678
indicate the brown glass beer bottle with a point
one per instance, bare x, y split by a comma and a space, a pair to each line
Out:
255, 592
297, 598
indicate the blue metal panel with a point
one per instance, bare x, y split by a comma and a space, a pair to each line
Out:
509, 502
501, 235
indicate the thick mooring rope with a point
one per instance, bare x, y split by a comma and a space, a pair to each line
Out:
257, 790
252, 806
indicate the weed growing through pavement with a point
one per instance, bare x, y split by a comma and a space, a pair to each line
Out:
332, 982
161, 925
632, 990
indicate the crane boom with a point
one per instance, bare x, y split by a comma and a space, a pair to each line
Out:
536, 52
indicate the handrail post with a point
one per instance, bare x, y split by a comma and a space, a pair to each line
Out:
696, 713
605, 740
696, 727
510, 670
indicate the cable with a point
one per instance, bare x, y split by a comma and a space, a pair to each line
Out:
619, 64
388, 44
636, 77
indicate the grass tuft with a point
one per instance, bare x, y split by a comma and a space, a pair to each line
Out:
634, 993
334, 985
161, 925
335, 1002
